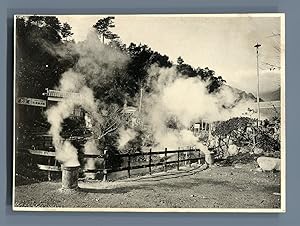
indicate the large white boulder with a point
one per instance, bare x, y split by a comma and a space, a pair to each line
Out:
268, 163
232, 150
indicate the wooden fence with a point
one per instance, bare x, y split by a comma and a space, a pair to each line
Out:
162, 162
187, 156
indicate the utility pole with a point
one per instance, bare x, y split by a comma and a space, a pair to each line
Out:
141, 98
257, 91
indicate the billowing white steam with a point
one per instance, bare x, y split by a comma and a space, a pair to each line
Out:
90, 147
70, 82
187, 101
96, 63
125, 135
175, 96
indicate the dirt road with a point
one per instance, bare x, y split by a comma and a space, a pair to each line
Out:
217, 187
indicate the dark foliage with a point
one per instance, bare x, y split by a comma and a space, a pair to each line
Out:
141, 58
243, 131
37, 68
207, 75
226, 128
103, 25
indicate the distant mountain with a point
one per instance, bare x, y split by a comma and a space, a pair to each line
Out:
241, 95
271, 96
268, 109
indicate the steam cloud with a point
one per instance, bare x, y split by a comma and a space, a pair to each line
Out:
96, 62
125, 135
175, 96
65, 151
186, 101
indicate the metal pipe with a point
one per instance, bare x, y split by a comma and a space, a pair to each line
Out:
70, 177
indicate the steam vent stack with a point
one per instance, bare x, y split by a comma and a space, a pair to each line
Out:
70, 177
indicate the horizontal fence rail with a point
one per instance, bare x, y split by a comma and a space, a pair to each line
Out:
148, 163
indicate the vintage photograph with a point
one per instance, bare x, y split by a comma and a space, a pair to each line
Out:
149, 113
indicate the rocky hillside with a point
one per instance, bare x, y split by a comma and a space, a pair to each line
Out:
241, 95
271, 96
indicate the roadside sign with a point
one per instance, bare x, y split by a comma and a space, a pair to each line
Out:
41, 152
49, 168
57, 95
31, 101
60, 94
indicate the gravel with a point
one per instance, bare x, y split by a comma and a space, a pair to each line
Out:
216, 187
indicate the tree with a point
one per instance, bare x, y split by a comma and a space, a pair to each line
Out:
141, 59
215, 84
207, 75
180, 60
113, 120
37, 67
66, 31
103, 25
117, 44
241, 131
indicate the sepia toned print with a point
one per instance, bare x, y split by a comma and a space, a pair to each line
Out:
149, 113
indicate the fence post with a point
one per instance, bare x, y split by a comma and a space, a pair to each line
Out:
185, 158
104, 166
128, 165
49, 171
165, 163
150, 161
178, 158
190, 162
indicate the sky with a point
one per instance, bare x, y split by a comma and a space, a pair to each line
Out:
221, 43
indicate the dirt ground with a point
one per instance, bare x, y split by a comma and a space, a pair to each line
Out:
239, 186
